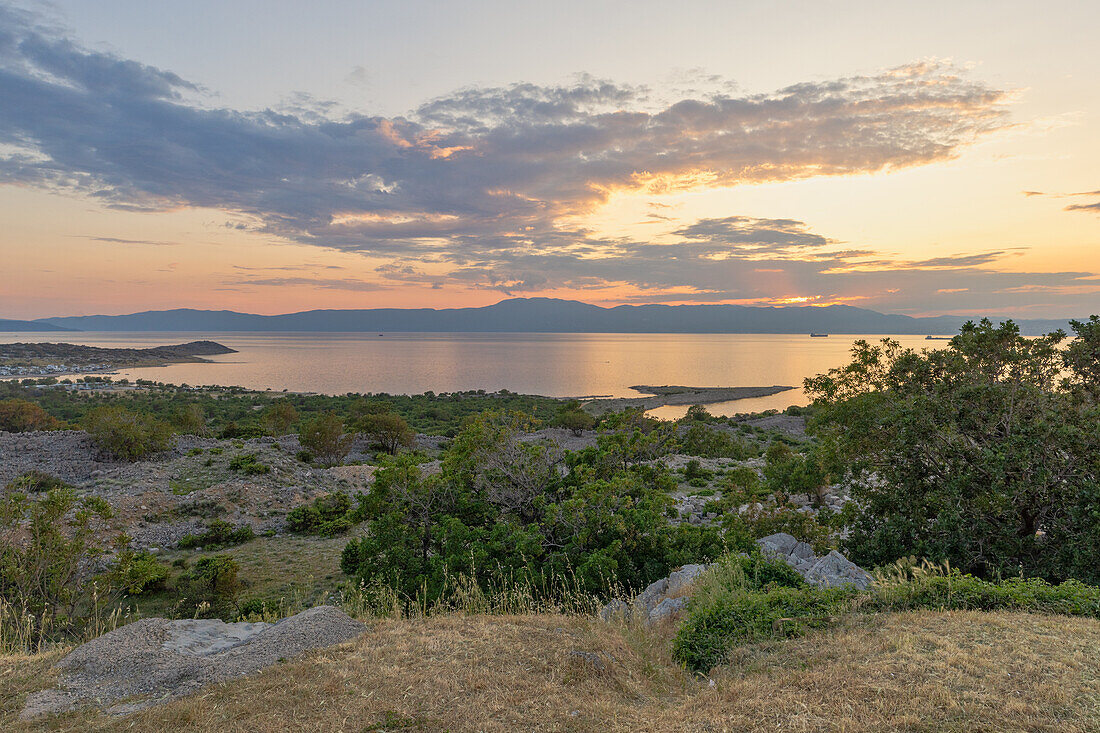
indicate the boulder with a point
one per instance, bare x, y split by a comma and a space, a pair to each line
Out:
155, 660
653, 604
832, 571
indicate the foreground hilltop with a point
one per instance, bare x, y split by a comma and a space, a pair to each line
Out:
924, 670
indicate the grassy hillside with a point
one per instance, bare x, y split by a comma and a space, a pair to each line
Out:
919, 671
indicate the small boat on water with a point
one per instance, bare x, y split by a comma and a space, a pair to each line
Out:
938, 338
819, 335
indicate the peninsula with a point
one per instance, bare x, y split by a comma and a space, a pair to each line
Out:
27, 359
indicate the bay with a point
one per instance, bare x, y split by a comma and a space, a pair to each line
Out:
556, 365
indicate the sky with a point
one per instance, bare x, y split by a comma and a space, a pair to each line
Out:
917, 158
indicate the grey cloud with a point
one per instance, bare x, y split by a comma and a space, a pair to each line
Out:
479, 163
1092, 207
478, 184
315, 282
119, 240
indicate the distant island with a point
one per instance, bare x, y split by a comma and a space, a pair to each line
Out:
543, 315
26, 360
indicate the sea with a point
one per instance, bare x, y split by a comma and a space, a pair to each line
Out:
551, 364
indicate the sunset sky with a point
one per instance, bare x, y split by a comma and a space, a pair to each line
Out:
275, 156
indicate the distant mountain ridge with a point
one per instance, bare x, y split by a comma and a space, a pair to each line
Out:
545, 315
8, 324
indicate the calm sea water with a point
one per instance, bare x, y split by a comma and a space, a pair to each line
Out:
559, 365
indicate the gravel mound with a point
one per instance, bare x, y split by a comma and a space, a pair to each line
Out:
155, 660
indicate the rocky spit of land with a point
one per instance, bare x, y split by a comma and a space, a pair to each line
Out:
677, 395
48, 359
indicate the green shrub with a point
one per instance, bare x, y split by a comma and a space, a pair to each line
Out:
327, 515
135, 573
48, 552
694, 471
707, 442
18, 416
956, 591
219, 533
709, 633
985, 452
387, 430
573, 418
304, 456
125, 434
248, 464
210, 588
35, 482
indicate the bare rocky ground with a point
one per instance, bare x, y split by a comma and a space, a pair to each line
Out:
179, 492
176, 493
154, 660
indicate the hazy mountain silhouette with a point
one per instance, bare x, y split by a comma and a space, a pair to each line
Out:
7, 324
544, 315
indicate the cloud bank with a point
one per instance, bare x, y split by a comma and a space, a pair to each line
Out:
476, 188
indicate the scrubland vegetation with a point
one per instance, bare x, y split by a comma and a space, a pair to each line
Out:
973, 474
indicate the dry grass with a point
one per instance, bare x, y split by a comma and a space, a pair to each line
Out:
918, 671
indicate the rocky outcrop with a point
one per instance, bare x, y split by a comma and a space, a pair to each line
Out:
667, 597
831, 571
155, 660
660, 600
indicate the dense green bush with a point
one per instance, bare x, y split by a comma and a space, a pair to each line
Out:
505, 510
190, 419
327, 515
210, 588
18, 416
705, 441
956, 591
387, 430
732, 605
248, 464
708, 634
136, 573
125, 434
278, 418
219, 533
573, 418
985, 453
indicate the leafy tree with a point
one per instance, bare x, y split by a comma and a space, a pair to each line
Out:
125, 434
278, 419
506, 509
211, 588
387, 430
982, 453
702, 440
573, 418
20, 416
327, 515
787, 472
324, 436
